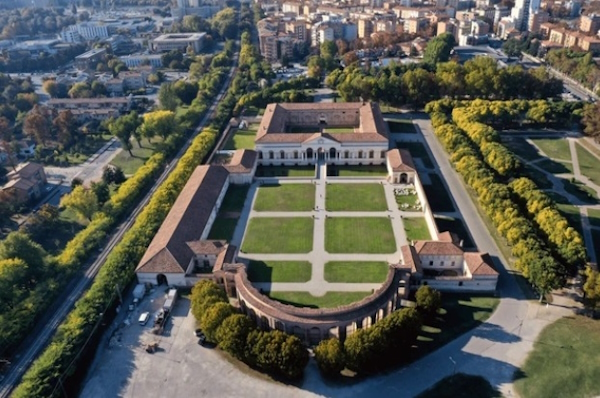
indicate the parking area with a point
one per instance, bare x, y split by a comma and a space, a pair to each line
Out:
180, 367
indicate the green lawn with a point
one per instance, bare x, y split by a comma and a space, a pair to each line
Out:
329, 300
417, 150
278, 235
537, 176
338, 130
581, 191
459, 314
522, 148
416, 228
223, 228
409, 200
356, 171
356, 272
437, 195
279, 271
359, 235
564, 361
234, 199
588, 164
555, 167
554, 148
461, 385
402, 126
355, 197
594, 217
130, 164
241, 139
283, 171
285, 197
456, 226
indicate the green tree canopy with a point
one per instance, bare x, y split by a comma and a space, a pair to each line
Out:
330, 357
438, 49
82, 201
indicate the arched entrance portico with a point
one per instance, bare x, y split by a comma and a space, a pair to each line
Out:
160, 279
403, 178
332, 153
321, 154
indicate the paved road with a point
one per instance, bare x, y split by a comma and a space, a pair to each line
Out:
20, 366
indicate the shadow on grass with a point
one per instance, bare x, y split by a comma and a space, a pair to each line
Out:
461, 386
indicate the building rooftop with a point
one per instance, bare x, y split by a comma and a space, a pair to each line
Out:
400, 160
242, 161
180, 36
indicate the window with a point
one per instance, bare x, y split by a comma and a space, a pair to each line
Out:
441, 263
431, 263
453, 264
382, 154
371, 154
282, 155
460, 283
260, 155
271, 156
360, 154
295, 154
346, 155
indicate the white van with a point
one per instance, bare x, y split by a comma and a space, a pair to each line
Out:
143, 320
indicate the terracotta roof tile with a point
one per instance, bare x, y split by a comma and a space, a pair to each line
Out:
431, 247
400, 160
243, 161
208, 247
480, 264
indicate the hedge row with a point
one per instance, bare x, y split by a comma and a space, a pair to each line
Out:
61, 356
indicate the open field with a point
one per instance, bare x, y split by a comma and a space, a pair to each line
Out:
242, 138
356, 272
563, 363
437, 195
356, 171
588, 164
329, 300
359, 235
284, 171
279, 271
285, 197
417, 150
338, 130
278, 235
130, 164
355, 197
555, 148
461, 385
416, 228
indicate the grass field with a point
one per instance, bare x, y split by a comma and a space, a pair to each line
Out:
285, 197
234, 198
456, 226
461, 385
223, 228
402, 126
283, 171
555, 167
554, 148
279, 235
355, 197
338, 130
417, 150
580, 190
356, 272
229, 213
279, 271
410, 200
242, 139
522, 148
563, 363
130, 164
356, 171
416, 228
588, 164
359, 235
594, 217
437, 195
329, 300
459, 314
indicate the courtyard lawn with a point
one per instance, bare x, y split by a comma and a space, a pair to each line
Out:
461, 385
234, 199
338, 130
556, 167
356, 272
417, 150
402, 126
359, 235
130, 164
329, 300
241, 139
581, 191
279, 271
456, 226
409, 200
540, 178
279, 235
355, 197
522, 148
588, 164
284, 171
554, 148
594, 217
223, 228
356, 171
437, 195
285, 197
459, 314
564, 361
416, 228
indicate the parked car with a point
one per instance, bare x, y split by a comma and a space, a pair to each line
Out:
144, 317
198, 332
201, 339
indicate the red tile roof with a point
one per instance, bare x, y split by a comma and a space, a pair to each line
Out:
480, 264
437, 248
400, 160
243, 161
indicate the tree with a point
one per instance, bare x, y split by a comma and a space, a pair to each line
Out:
17, 245
159, 123
54, 89
14, 282
204, 294
65, 124
167, 97
512, 48
233, 333
99, 89
438, 49
81, 90
37, 125
419, 86
316, 66
429, 300
42, 222
591, 289
328, 49
213, 317
591, 120
113, 175
82, 201
277, 353
123, 127
329, 355
101, 191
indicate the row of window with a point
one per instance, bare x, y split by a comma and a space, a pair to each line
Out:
310, 154
442, 263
